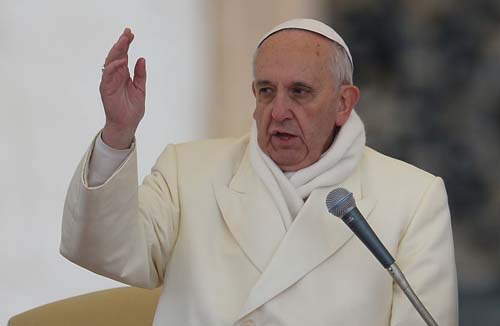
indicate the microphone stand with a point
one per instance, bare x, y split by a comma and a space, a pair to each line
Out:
400, 279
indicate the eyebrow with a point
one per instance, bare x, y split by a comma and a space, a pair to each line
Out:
302, 84
299, 83
260, 83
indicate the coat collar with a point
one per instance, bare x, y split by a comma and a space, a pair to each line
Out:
250, 214
282, 257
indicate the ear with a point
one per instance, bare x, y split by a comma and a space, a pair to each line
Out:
254, 91
348, 97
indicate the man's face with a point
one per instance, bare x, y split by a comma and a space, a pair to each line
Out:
297, 98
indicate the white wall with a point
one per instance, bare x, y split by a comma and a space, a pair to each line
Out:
50, 58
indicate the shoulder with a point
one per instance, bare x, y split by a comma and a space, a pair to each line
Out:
221, 153
205, 157
386, 164
208, 148
380, 171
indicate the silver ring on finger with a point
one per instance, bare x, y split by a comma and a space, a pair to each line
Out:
103, 68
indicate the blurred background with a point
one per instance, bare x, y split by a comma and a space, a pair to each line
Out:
429, 73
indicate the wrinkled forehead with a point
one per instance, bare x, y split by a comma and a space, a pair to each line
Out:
286, 43
293, 38
309, 25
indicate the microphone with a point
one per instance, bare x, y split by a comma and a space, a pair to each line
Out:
340, 202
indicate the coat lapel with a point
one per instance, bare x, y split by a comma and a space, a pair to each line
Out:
251, 215
314, 236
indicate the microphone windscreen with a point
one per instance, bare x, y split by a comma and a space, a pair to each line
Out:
339, 201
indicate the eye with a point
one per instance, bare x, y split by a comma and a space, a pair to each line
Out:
265, 90
300, 91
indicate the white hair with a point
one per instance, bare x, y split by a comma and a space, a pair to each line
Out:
341, 66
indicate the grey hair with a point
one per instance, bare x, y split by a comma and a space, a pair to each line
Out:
340, 65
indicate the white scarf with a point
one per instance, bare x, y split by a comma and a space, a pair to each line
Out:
290, 190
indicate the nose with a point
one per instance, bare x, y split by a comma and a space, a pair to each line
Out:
281, 107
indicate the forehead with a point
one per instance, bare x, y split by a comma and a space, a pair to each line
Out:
295, 38
295, 52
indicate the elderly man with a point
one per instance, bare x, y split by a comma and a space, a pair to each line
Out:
237, 230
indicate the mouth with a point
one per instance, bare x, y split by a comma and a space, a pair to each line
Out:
283, 136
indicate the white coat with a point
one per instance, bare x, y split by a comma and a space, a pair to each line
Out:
203, 225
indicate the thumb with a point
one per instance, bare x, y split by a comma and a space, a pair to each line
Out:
140, 75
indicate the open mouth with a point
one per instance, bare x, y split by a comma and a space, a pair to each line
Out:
283, 135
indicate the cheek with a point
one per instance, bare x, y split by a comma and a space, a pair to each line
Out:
262, 113
318, 126
261, 119
310, 121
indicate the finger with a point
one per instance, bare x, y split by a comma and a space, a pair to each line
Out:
120, 48
140, 74
112, 67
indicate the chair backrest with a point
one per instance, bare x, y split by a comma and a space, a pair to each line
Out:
120, 306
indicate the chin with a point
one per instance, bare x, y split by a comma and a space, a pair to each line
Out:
292, 165
288, 168
288, 160
287, 164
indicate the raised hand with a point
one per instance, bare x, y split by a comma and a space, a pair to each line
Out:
123, 97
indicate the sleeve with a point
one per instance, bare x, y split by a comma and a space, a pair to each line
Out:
426, 257
118, 229
104, 160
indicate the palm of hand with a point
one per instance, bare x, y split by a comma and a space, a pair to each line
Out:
124, 102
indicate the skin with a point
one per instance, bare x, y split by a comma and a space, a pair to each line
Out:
123, 97
299, 103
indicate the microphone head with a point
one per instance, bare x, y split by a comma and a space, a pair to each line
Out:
340, 201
